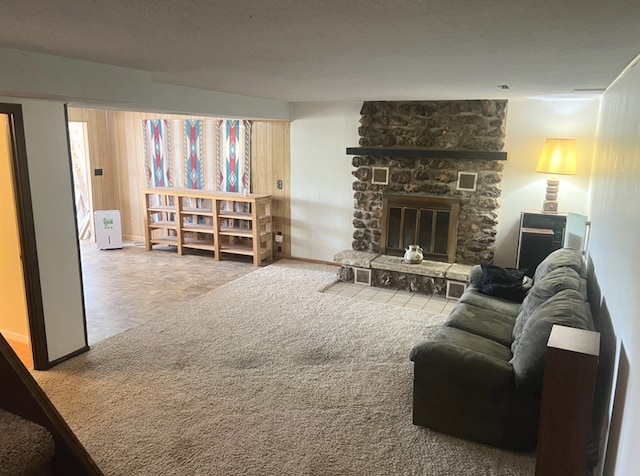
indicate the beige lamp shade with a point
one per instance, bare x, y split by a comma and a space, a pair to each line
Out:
558, 157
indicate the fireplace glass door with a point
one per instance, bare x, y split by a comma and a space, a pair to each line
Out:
432, 226
427, 228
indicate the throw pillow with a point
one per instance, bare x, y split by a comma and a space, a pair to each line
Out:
506, 283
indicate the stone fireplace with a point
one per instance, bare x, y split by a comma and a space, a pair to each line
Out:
425, 147
426, 173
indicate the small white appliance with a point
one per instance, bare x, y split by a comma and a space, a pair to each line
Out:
108, 229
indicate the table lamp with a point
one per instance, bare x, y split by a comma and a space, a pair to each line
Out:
558, 158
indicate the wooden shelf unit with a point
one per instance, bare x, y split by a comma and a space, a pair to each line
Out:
221, 222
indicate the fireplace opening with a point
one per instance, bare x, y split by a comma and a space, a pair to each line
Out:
430, 222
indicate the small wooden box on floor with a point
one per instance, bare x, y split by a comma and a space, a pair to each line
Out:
571, 366
222, 222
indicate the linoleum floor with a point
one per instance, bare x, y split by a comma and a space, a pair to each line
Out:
126, 287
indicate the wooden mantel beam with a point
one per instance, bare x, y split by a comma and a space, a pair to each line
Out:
419, 153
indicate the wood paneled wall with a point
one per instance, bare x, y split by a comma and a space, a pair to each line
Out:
102, 155
270, 166
116, 146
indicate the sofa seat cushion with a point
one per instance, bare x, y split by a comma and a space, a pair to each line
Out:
494, 304
566, 308
467, 357
491, 325
461, 339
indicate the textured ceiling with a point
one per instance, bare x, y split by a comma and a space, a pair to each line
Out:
342, 50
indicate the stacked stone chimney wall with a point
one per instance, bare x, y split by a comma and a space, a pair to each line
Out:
438, 125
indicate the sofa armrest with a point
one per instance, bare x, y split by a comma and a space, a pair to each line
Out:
461, 363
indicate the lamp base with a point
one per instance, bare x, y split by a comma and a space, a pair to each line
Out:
550, 206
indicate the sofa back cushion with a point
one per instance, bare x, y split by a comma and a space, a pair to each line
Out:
552, 283
562, 258
567, 308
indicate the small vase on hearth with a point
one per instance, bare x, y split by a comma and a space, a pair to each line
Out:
413, 254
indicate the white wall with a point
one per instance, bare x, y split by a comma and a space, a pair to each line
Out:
615, 254
322, 198
321, 180
33, 75
529, 123
56, 241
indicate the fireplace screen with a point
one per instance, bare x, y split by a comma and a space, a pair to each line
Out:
431, 222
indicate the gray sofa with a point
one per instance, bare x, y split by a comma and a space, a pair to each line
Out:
480, 378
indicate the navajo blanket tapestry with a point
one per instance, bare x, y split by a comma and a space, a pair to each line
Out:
157, 153
197, 154
234, 150
193, 154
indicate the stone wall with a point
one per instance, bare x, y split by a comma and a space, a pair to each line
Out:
437, 125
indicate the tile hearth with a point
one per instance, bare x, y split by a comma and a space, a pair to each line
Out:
430, 303
391, 272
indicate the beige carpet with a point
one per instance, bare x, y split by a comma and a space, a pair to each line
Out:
264, 376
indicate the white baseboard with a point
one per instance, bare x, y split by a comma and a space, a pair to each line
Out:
15, 337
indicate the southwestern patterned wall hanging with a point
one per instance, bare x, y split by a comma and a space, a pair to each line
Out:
209, 154
234, 148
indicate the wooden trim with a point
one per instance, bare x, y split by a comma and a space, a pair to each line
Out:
26, 230
385, 224
452, 245
77, 243
309, 260
23, 396
81, 350
403, 199
417, 153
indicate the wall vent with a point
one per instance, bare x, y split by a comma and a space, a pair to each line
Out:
467, 181
455, 289
380, 175
362, 276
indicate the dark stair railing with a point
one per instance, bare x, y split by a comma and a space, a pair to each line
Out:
22, 396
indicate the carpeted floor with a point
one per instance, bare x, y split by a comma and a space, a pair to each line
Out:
264, 376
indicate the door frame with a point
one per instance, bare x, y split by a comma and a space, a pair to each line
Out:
27, 235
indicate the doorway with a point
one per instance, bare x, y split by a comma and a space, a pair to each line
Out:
79, 146
21, 309
14, 321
